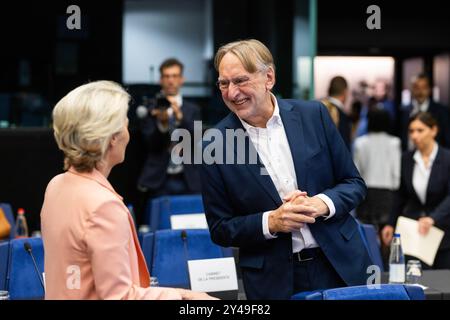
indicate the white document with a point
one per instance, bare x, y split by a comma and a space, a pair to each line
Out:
417, 245
213, 275
188, 221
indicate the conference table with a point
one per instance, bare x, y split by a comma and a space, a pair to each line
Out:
436, 281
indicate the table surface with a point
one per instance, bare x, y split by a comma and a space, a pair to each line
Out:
437, 281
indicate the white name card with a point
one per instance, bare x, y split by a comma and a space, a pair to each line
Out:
213, 275
188, 221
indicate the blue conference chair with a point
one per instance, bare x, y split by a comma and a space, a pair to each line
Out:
4, 258
10, 217
172, 250
147, 247
385, 292
370, 239
160, 209
22, 280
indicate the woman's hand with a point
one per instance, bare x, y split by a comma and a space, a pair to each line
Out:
194, 295
386, 235
425, 225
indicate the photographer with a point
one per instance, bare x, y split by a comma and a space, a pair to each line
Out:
167, 112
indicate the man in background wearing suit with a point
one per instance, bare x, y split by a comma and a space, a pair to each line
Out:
337, 95
421, 101
287, 212
160, 176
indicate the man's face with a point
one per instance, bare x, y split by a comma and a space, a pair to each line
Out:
379, 90
171, 80
246, 92
421, 90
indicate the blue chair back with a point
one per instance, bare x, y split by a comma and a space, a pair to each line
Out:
164, 207
22, 281
385, 292
10, 217
147, 243
371, 241
4, 258
171, 254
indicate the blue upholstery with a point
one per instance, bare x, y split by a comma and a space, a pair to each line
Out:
22, 281
372, 244
385, 292
147, 247
10, 216
163, 207
171, 255
4, 257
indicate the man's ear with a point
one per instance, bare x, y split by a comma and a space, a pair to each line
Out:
270, 79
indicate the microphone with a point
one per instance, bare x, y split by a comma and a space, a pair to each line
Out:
186, 255
183, 235
27, 247
142, 112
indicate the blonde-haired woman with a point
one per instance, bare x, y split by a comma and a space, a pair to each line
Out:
91, 247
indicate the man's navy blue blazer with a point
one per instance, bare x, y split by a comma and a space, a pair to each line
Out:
236, 195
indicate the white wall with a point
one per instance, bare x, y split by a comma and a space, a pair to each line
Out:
158, 29
353, 69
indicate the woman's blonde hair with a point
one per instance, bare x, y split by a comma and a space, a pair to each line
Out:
85, 120
253, 54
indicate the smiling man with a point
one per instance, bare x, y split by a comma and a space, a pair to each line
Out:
289, 240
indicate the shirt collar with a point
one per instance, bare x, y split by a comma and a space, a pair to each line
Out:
421, 107
336, 102
96, 176
178, 98
274, 119
418, 157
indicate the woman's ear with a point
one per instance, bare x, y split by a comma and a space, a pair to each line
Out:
113, 140
435, 131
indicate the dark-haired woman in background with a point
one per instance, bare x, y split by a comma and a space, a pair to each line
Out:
377, 156
424, 192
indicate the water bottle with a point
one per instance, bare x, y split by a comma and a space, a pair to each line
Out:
396, 261
4, 295
21, 230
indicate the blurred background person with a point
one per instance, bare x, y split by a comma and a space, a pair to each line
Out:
167, 112
424, 192
381, 95
377, 156
335, 103
355, 117
421, 101
90, 241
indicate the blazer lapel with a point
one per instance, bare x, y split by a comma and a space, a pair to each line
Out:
257, 170
434, 174
144, 276
409, 172
294, 129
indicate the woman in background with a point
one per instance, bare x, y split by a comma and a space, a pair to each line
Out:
91, 247
377, 156
424, 192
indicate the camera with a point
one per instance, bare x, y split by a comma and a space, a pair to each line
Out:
161, 101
